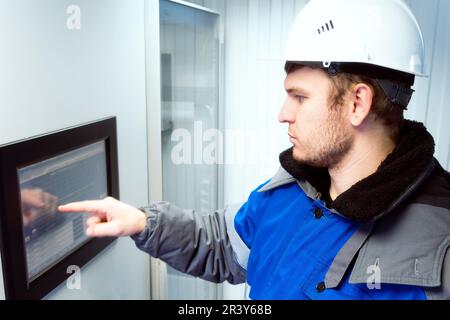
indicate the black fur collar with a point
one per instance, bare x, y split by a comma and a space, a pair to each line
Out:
371, 196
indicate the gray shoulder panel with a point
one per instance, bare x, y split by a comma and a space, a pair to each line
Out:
343, 259
442, 292
281, 178
408, 246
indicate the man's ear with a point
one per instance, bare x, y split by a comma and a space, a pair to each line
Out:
361, 99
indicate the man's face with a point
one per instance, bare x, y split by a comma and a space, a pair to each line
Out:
321, 136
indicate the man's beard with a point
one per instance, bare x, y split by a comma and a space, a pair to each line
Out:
329, 147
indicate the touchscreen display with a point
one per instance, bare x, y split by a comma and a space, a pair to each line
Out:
49, 235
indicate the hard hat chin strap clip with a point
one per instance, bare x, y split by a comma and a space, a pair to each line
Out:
332, 69
396, 93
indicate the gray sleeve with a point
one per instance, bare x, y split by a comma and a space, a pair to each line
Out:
207, 246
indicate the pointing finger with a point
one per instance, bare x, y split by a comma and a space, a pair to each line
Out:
97, 207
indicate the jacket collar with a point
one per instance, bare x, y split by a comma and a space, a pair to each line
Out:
397, 177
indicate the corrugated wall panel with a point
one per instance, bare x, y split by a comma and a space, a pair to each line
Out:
426, 11
255, 31
438, 108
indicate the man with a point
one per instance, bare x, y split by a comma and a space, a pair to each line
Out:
359, 209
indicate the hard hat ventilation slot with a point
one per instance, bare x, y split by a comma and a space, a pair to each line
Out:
327, 27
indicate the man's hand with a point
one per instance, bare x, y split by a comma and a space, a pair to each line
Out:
110, 217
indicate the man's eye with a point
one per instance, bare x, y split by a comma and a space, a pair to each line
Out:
300, 98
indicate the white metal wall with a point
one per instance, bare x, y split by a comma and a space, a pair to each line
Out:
52, 78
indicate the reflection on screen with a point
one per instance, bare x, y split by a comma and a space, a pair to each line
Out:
50, 235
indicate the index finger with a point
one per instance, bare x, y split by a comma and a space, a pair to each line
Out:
96, 207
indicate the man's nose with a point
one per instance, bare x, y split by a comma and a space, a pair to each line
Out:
287, 113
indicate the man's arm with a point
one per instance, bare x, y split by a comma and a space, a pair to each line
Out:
203, 246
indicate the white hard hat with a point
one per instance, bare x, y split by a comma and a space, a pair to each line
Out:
381, 37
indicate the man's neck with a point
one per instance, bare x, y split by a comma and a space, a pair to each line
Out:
362, 161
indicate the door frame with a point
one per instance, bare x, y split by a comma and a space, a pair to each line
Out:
158, 270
